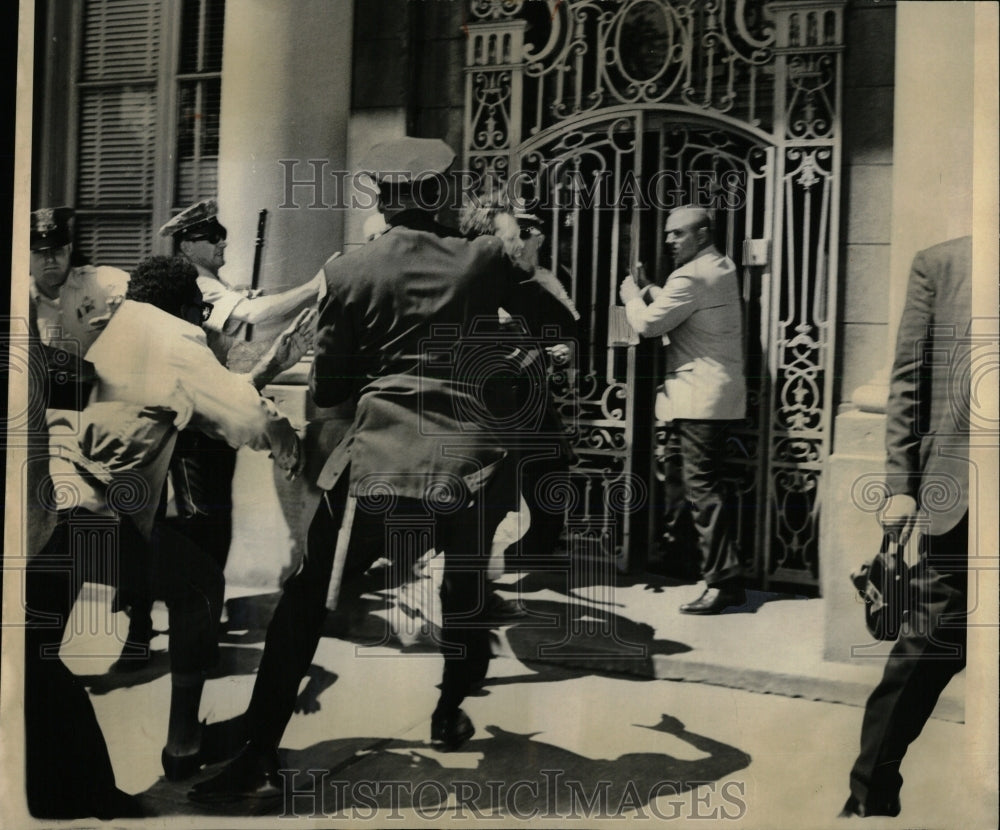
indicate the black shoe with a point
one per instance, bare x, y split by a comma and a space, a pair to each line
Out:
884, 807
179, 767
251, 775
715, 600
124, 805
450, 730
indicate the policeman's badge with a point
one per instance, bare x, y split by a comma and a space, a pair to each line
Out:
86, 306
45, 220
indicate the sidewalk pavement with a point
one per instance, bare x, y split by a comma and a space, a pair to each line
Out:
771, 645
363, 711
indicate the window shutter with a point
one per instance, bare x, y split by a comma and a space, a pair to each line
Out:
118, 98
199, 95
120, 129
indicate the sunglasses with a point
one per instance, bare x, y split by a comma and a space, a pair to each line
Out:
213, 237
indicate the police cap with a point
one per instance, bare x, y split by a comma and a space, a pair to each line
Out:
407, 160
50, 228
194, 220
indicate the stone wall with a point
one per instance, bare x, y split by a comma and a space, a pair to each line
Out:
866, 202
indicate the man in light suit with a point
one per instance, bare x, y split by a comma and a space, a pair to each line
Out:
698, 315
927, 478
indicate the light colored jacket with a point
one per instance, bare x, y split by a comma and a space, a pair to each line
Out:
156, 375
698, 314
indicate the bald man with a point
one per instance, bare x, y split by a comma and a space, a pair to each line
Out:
698, 315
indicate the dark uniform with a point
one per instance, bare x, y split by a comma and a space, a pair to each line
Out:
421, 455
420, 458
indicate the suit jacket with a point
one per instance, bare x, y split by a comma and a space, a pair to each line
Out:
402, 328
927, 423
698, 313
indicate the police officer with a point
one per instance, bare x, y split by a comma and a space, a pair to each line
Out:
418, 460
72, 303
200, 238
202, 468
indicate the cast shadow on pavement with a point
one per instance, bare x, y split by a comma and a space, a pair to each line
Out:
497, 774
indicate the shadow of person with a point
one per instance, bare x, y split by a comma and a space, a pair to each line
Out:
499, 774
757, 599
579, 637
318, 681
233, 662
156, 667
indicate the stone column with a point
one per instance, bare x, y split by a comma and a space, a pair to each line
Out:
931, 202
286, 95
982, 679
932, 154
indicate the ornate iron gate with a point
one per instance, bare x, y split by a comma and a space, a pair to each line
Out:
608, 113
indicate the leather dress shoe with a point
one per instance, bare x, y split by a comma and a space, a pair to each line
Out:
252, 775
179, 767
715, 600
854, 808
451, 729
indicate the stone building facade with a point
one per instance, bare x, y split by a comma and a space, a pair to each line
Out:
847, 124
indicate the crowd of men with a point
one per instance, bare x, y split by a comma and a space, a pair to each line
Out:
434, 450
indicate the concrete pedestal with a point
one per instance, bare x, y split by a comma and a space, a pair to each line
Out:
850, 533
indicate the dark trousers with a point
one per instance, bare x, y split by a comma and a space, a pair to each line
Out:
201, 471
411, 527
929, 652
68, 769
190, 582
167, 567
704, 501
542, 478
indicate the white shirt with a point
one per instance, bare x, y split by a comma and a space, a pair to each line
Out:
87, 298
224, 330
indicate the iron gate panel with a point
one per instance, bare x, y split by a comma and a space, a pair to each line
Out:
566, 97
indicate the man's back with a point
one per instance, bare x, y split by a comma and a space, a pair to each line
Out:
86, 301
410, 288
399, 328
705, 376
928, 412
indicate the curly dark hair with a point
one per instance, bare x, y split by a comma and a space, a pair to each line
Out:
168, 282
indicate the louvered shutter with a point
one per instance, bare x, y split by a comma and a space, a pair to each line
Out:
121, 135
199, 101
118, 99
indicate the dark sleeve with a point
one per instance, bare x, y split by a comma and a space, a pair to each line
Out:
549, 316
332, 378
909, 383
